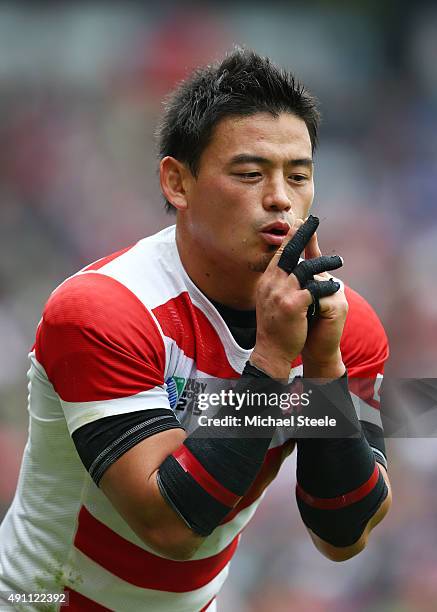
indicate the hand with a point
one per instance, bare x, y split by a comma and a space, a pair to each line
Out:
282, 304
321, 353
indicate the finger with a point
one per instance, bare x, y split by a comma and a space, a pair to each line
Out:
291, 232
312, 249
318, 290
289, 257
309, 267
321, 289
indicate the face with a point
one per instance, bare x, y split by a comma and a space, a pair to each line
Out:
255, 179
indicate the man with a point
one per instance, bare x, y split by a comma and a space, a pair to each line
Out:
117, 507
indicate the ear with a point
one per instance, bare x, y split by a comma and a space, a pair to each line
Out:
174, 178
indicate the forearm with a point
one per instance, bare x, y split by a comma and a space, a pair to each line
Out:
212, 470
340, 487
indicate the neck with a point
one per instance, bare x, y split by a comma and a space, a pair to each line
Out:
220, 282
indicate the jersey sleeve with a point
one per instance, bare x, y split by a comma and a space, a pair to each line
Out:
101, 350
364, 348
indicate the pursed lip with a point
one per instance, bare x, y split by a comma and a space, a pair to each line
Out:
274, 233
276, 227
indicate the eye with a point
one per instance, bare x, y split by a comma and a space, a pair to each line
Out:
298, 178
248, 175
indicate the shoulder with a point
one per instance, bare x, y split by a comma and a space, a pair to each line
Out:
119, 289
94, 301
93, 328
364, 344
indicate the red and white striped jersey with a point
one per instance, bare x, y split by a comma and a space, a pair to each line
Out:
134, 329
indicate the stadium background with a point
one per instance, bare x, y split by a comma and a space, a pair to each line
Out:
80, 93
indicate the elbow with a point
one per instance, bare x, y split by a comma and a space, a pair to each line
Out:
338, 553
183, 551
175, 546
343, 553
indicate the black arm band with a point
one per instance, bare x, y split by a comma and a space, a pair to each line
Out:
339, 485
209, 474
100, 443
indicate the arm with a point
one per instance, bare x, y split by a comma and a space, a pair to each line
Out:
158, 484
349, 491
343, 553
341, 489
130, 484
174, 490
105, 358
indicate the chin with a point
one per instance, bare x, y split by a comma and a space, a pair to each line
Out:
260, 265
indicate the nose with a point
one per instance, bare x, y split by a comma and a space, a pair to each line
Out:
276, 197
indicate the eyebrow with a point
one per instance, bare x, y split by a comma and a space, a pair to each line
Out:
244, 158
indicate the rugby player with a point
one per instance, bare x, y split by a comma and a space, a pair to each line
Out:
118, 506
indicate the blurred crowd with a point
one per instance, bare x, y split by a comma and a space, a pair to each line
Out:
81, 90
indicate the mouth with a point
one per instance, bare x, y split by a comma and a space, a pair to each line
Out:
275, 232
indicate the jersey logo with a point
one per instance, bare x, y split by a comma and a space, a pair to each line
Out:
175, 389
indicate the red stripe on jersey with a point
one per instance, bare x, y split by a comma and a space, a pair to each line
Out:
140, 567
105, 260
207, 605
296, 362
80, 603
97, 341
272, 463
194, 334
190, 464
334, 503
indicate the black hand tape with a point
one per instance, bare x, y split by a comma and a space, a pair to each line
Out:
319, 289
307, 268
291, 253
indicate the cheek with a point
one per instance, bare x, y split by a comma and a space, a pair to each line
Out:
230, 207
311, 192
306, 199
225, 211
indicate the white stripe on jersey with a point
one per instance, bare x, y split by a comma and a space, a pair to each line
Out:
152, 284
117, 594
100, 507
366, 412
78, 414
